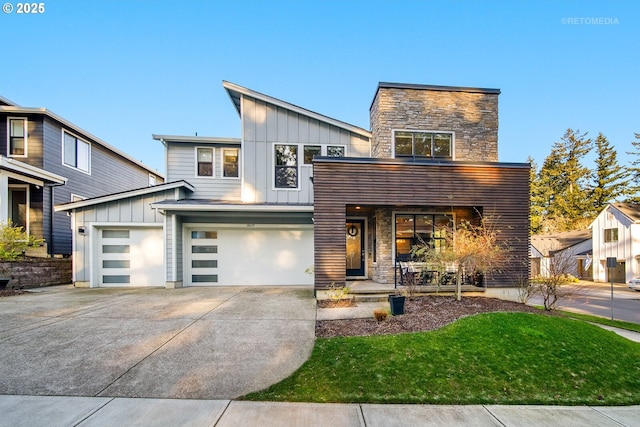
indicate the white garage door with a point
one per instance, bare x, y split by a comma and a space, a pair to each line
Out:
248, 256
130, 257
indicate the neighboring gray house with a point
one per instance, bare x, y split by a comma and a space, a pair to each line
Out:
46, 160
574, 247
616, 234
301, 189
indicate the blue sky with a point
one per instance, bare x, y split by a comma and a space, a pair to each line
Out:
123, 70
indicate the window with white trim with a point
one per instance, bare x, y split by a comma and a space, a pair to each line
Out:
423, 144
230, 163
17, 141
152, 180
76, 153
610, 235
286, 166
205, 161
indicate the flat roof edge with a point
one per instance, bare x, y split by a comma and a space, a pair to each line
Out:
419, 162
415, 86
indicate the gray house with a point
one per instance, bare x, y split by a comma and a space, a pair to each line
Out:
46, 160
300, 189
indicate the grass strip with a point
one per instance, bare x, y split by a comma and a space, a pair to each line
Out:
492, 358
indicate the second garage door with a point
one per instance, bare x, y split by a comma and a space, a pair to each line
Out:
230, 255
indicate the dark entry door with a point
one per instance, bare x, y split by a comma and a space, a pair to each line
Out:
355, 247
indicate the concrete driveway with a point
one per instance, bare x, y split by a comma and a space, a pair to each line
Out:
195, 343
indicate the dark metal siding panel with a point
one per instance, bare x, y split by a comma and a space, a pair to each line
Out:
502, 192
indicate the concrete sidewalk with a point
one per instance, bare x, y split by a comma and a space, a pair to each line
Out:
35, 411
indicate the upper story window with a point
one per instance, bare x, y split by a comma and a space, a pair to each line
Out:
152, 180
286, 166
310, 151
230, 163
423, 144
205, 161
611, 235
76, 153
17, 137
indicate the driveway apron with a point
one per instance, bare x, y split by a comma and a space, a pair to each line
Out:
192, 343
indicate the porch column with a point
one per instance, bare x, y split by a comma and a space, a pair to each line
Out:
4, 197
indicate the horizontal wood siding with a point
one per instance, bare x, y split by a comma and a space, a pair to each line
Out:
109, 173
501, 191
263, 126
181, 165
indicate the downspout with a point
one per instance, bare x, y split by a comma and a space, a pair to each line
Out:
50, 247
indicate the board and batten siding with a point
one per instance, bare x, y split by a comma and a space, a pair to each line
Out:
626, 249
124, 213
109, 173
182, 165
501, 191
263, 126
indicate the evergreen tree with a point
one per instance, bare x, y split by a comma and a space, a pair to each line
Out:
565, 201
536, 197
634, 172
610, 180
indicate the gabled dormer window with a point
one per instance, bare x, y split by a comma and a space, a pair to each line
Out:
17, 141
76, 153
437, 145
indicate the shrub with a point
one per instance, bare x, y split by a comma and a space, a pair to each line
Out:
14, 240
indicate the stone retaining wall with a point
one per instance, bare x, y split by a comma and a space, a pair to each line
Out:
36, 272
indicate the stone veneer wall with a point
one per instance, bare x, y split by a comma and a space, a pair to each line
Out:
472, 115
37, 272
382, 270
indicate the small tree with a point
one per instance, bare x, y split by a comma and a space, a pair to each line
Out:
554, 283
471, 248
14, 240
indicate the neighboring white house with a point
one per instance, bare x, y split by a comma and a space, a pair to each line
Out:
572, 246
616, 234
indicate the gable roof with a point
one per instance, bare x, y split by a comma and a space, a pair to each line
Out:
5, 101
123, 195
630, 210
236, 92
14, 109
547, 244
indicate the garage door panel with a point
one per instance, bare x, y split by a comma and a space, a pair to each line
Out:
256, 256
130, 257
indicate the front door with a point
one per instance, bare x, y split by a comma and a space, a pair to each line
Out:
355, 233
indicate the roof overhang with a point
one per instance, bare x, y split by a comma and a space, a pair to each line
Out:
236, 92
123, 195
205, 206
28, 173
197, 139
78, 130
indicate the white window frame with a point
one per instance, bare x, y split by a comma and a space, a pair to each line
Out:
27, 189
453, 143
213, 162
78, 139
222, 159
273, 166
26, 136
152, 180
323, 150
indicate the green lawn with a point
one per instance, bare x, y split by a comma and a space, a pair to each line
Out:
503, 358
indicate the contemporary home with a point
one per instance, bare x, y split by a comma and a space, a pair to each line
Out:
569, 252
299, 189
46, 160
616, 234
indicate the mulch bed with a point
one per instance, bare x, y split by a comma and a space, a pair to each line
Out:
423, 313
